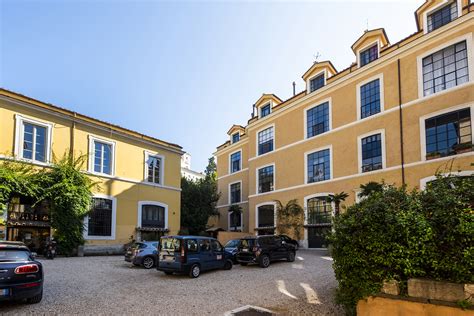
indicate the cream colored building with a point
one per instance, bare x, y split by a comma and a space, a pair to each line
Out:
400, 113
139, 177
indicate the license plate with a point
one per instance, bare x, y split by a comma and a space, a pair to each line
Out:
245, 250
4, 292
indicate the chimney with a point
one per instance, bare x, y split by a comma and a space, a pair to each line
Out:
294, 88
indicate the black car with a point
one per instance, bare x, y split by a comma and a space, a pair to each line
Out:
263, 250
21, 276
289, 240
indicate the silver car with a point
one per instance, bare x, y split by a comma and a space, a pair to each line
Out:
143, 254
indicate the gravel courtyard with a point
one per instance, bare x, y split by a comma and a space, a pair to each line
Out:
109, 285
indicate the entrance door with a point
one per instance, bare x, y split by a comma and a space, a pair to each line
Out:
317, 236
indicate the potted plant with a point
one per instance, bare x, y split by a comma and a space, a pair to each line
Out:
433, 155
463, 148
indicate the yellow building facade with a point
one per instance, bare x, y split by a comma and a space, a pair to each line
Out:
138, 193
400, 113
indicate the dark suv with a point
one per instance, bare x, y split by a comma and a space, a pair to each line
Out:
263, 250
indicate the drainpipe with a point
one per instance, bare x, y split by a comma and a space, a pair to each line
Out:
400, 112
72, 140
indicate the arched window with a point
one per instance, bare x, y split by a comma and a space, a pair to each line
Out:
319, 211
153, 216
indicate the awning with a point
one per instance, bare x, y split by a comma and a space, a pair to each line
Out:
215, 229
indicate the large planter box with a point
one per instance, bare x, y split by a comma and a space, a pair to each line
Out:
441, 291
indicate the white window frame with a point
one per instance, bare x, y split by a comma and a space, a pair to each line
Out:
306, 163
273, 140
308, 81
263, 105
19, 138
114, 219
440, 112
229, 227
274, 213
358, 95
92, 140
470, 63
230, 161
424, 181
147, 155
305, 114
436, 8
230, 193
359, 150
155, 203
274, 178
364, 48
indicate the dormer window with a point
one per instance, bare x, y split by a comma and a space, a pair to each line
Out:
265, 110
369, 55
316, 83
442, 16
235, 138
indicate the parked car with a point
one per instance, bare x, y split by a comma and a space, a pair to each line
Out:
21, 276
231, 247
289, 240
263, 250
143, 254
191, 255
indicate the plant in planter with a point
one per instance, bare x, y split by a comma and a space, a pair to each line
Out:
463, 148
433, 155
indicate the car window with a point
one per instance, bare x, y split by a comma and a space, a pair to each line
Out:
7, 255
277, 240
215, 245
247, 243
232, 243
204, 245
171, 244
154, 245
192, 245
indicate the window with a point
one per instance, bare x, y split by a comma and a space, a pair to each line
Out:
216, 246
445, 69
442, 16
192, 245
265, 179
235, 162
205, 244
371, 153
153, 216
154, 169
319, 211
317, 120
235, 193
102, 156
448, 134
316, 83
265, 110
370, 98
34, 142
235, 220
319, 167
100, 218
266, 216
235, 138
265, 141
369, 55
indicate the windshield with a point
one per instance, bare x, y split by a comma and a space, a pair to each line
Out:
14, 255
170, 244
247, 243
232, 243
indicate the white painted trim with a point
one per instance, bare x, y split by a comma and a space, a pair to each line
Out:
19, 137
230, 147
156, 203
227, 205
274, 213
305, 117
359, 149
308, 81
435, 8
312, 152
230, 161
381, 91
147, 155
424, 181
256, 140
231, 174
361, 49
231, 228
114, 220
92, 140
470, 62
256, 177
259, 109
433, 114
230, 195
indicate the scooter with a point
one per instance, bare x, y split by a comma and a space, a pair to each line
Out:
51, 249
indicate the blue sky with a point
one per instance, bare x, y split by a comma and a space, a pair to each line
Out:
181, 71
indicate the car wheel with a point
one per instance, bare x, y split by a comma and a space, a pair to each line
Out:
195, 271
244, 264
148, 262
264, 261
168, 272
35, 299
228, 265
291, 256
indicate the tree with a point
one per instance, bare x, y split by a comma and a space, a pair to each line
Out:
236, 212
370, 188
290, 216
198, 200
337, 199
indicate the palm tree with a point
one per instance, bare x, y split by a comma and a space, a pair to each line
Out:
337, 199
290, 215
370, 188
235, 213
